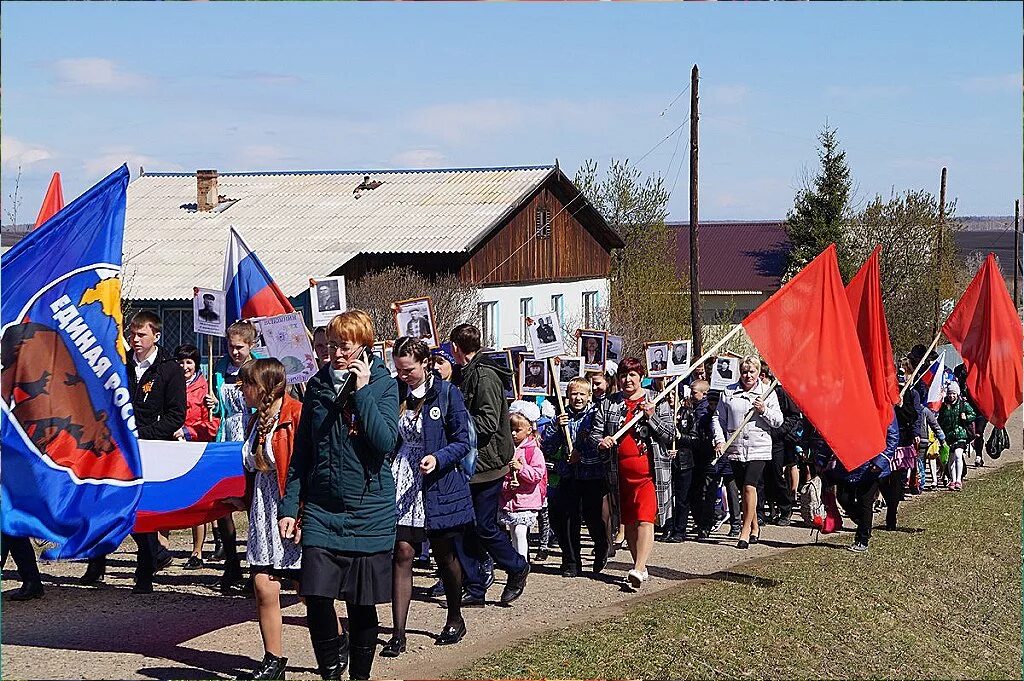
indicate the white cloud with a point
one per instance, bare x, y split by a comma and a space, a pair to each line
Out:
110, 159
418, 158
1006, 82
16, 153
96, 73
468, 120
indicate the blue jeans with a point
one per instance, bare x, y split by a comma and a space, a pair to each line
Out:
486, 538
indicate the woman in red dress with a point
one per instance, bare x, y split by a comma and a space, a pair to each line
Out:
637, 461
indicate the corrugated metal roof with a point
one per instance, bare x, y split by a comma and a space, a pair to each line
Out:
308, 224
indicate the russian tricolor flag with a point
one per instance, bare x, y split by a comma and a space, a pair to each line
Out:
251, 291
933, 378
186, 483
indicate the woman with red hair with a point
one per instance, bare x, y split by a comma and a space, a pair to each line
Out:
639, 470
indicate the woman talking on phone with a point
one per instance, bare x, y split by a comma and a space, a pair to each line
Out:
340, 474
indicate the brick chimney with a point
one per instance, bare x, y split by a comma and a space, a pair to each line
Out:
206, 186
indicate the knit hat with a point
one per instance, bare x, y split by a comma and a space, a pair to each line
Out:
445, 351
953, 388
528, 410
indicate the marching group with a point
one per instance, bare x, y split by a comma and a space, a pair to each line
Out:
351, 479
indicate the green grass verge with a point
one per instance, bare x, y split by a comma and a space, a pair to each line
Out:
942, 602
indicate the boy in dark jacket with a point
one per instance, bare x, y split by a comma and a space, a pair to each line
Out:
484, 385
576, 487
157, 385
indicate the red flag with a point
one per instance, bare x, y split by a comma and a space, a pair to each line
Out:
986, 331
53, 201
806, 332
865, 294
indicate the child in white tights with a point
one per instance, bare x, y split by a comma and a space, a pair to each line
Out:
525, 485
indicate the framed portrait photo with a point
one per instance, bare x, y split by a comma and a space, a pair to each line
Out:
568, 369
208, 312
545, 331
592, 348
517, 352
724, 372
533, 376
326, 299
657, 354
415, 318
613, 348
679, 357
503, 358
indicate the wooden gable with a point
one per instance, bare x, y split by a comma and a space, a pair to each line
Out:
516, 254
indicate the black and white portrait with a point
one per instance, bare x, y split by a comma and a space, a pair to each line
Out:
545, 332
679, 358
415, 318
614, 349
725, 372
327, 299
503, 359
592, 348
657, 359
208, 312
533, 377
568, 369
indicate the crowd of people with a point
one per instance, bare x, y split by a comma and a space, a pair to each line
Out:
353, 478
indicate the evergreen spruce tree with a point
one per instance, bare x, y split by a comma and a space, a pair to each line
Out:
821, 209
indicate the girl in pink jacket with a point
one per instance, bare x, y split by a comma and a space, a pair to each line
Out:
526, 484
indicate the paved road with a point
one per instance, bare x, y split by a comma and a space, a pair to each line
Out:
186, 630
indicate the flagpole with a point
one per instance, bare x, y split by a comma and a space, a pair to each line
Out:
209, 360
679, 379
910, 379
561, 404
746, 419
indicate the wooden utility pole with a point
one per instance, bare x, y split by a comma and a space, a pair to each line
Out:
695, 313
939, 274
1016, 254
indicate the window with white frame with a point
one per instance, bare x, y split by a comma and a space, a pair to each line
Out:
558, 305
525, 310
590, 309
488, 313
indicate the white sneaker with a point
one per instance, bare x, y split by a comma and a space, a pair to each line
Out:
636, 579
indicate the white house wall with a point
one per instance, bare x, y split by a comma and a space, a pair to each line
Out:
508, 298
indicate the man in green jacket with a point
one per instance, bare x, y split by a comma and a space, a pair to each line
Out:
484, 385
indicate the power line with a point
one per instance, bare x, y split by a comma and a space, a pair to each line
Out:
676, 99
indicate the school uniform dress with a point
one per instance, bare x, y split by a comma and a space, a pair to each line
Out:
405, 469
266, 551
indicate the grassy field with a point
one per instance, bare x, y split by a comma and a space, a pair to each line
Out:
939, 599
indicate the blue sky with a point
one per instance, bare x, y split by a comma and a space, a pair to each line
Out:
294, 86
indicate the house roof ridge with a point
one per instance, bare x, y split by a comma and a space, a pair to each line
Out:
364, 171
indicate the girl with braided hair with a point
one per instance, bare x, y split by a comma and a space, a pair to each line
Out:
270, 436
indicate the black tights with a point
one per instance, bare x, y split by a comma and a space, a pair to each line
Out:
323, 621
401, 581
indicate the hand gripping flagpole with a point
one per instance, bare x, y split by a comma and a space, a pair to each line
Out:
924, 358
746, 420
678, 379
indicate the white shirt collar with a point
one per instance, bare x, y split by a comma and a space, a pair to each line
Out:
148, 361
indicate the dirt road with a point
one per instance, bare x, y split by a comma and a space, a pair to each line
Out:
186, 630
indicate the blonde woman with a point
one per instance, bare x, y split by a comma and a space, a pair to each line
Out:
751, 449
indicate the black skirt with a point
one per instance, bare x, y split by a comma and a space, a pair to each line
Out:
411, 535
294, 575
357, 578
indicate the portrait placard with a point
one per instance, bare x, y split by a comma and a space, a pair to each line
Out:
503, 358
725, 372
656, 354
592, 347
614, 349
326, 299
545, 331
679, 357
208, 315
415, 318
534, 377
568, 369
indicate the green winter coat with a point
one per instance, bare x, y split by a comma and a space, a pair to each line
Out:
343, 480
483, 385
954, 419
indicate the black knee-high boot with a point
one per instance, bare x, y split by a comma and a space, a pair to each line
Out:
362, 633
327, 661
